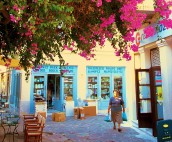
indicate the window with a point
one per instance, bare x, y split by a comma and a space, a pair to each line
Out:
68, 88
105, 87
118, 84
155, 57
92, 88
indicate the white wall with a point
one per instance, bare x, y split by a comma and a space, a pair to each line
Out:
3, 82
25, 94
147, 5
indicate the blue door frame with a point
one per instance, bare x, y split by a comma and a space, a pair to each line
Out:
106, 71
15, 90
55, 70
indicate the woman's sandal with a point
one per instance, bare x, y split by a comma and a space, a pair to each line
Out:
119, 130
114, 127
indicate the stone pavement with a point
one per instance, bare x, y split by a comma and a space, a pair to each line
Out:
91, 129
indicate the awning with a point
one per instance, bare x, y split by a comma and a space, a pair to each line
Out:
10, 63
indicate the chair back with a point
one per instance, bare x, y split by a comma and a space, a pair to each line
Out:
43, 122
36, 114
39, 118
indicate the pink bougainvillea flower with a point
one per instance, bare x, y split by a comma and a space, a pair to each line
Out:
107, 22
167, 23
34, 52
108, 0
7, 64
117, 53
129, 36
34, 45
140, 1
65, 47
28, 33
99, 3
64, 71
134, 47
127, 56
23, 7
9, 60
15, 7
149, 31
12, 18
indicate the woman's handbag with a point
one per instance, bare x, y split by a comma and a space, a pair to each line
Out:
124, 116
107, 118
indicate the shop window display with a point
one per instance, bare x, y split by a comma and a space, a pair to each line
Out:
105, 87
68, 88
39, 85
92, 88
118, 84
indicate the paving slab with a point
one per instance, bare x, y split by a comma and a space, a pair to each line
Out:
91, 129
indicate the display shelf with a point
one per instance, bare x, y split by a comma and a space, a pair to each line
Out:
105, 87
92, 87
68, 87
118, 84
39, 85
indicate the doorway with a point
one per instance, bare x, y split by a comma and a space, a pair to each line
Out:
157, 97
53, 91
143, 98
149, 97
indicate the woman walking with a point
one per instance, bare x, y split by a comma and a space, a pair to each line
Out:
116, 104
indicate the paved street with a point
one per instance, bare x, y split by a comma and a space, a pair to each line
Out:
91, 129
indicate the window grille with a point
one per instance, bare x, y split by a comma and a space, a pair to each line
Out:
155, 57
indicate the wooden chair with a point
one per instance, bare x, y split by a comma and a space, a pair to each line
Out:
32, 122
34, 133
30, 116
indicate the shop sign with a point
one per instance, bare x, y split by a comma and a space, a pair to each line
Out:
164, 130
55, 69
158, 79
141, 40
104, 70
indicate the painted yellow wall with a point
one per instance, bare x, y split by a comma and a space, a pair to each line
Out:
104, 57
146, 5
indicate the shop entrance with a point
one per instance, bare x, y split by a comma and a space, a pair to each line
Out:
53, 91
149, 97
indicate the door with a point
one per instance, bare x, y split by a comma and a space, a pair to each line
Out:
39, 88
143, 98
57, 103
18, 91
54, 96
157, 96
15, 89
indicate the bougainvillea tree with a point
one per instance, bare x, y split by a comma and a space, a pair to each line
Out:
39, 30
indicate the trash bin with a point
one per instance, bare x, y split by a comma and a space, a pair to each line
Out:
164, 130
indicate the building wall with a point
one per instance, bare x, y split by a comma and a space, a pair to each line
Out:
3, 72
104, 57
25, 94
165, 51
